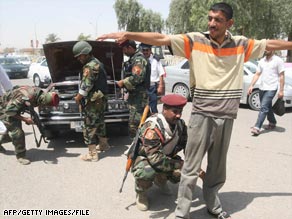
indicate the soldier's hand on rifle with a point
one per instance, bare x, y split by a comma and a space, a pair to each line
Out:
78, 98
28, 120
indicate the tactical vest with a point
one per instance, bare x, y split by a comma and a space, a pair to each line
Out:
101, 81
129, 65
170, 139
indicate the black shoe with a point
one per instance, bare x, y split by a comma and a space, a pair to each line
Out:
221, 215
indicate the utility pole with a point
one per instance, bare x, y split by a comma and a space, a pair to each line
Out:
36, 40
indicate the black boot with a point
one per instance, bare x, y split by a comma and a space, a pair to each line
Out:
22, 159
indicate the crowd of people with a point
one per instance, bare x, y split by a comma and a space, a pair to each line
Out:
216, 60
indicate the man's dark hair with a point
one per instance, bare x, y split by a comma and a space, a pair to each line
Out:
224, 7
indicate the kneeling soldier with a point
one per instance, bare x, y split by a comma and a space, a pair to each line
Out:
163, 135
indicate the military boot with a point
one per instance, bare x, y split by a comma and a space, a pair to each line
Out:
22, 159
142, 201
92, 154
103, 144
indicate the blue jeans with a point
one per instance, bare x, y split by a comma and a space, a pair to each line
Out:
266, 97
152, 93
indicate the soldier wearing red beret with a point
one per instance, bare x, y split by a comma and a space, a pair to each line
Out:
163, 136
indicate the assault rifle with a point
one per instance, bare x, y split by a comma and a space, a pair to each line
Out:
134, 148
36, 119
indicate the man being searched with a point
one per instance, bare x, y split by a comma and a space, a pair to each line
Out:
157, 86
271, 69
92, 100
163, 136
12, 105
136, 83
216, 62
5, 83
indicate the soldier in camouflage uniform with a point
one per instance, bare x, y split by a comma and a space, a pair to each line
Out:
163, 136
92, 97
12, 105
135, 74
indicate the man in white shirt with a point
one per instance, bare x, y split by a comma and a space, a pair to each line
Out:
271, 69
5, 83
157, 87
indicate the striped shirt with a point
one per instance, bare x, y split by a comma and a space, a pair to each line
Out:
216, 71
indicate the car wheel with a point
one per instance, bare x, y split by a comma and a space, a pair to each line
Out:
254, 100
37, 80
182, 90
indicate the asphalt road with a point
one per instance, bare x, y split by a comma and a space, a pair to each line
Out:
259, 178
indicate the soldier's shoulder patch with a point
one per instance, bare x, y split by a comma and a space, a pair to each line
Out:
136, 70
96, 67
150, 134
86, 71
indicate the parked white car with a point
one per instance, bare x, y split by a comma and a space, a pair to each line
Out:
40, 74
25, 60
177, 81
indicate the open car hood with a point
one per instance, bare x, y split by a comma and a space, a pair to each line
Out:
64, 66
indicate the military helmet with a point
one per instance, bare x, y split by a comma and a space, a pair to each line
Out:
81, 47
48, 99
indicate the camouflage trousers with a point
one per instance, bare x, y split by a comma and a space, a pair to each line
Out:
134, 119
15, 132
145, 175
94, 125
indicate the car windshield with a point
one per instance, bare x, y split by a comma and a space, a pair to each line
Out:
8, 61
251, 66
23, 58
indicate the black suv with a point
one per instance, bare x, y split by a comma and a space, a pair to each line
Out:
66, 72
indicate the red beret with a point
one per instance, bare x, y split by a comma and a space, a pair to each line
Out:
174, 100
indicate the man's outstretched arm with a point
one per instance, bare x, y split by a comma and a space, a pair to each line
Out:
151, 38
278, 45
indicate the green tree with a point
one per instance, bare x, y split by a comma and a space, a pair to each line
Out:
52, 38
150, 21
83, 37
132, 16
255, 18
178, 20
127, 12
284, 8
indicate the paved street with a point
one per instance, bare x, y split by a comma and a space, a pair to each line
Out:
259, 177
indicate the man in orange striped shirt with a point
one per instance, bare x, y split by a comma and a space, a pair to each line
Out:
216, 64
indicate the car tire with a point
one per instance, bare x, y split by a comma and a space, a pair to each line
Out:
182, 89
37, 80
254, 100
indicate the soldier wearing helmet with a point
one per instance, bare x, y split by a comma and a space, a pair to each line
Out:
92, 98
12, 105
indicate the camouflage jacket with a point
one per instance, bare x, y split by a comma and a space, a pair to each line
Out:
135, 72
14, 102
93, 80
161, 142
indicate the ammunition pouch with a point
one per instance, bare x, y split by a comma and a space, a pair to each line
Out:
97, 95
